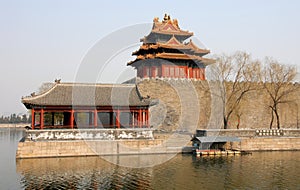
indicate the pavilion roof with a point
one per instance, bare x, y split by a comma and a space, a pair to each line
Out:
176, 56
167, 27
155, 47
173, 43
88, 94
196, 49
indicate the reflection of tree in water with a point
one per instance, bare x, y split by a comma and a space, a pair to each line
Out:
80, 173
265, 170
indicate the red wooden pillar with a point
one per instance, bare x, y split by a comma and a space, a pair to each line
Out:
32, 118
72, 119
154, 71
133, 118
118, 119
42, 118
200, 74
144, 72
144, 118
147, 118
159, 71
193, 74
147, 73
140, 118
95, 118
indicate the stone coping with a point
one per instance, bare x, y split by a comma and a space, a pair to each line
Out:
247, 129
87, 134
90, 129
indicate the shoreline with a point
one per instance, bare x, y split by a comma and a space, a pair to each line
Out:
14, 125
65, 143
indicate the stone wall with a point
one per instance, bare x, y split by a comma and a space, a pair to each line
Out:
267, 143
251, 133
163, 143
184, 106
88, 134
94, 142
260, 139
17, 125
40, 149
185, 103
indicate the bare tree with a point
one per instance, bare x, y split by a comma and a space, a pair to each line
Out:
233, 77
277, 79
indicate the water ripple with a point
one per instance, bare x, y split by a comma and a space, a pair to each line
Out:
261, 170
268, 170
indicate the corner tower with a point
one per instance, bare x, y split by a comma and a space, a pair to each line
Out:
165, 54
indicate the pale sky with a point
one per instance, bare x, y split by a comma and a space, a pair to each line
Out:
44, 40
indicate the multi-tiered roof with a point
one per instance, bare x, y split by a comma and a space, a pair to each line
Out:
166, 41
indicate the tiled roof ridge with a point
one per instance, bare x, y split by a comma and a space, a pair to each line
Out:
162, 26
32, 97
95, 84
74, 84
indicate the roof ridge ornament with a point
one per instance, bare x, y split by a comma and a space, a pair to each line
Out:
57, 81
175, 22
166, 17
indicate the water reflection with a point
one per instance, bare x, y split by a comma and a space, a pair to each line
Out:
9, 138
11, 135
261, 170
80, 173
267, 170
139, 161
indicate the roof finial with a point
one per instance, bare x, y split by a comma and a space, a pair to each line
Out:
175, 22
57, 81
166, 17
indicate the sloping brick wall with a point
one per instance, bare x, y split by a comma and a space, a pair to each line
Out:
263, 144
181, 100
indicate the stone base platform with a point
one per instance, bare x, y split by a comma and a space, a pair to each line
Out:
68, 143
91, 148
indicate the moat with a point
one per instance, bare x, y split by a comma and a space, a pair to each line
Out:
260, 170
